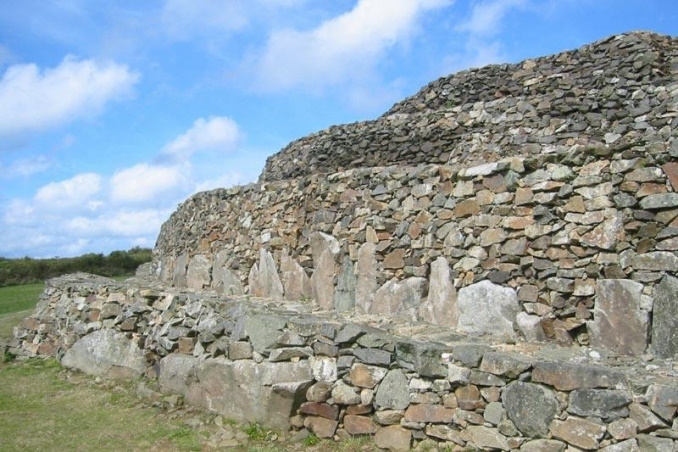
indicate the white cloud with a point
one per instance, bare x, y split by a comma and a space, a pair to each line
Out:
342, 48
71, 193
215, 133
486, 17
143, 182
118, 223
32, 99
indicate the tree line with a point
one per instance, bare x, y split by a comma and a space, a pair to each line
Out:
28, 270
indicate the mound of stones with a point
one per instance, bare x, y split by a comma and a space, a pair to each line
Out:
616, 92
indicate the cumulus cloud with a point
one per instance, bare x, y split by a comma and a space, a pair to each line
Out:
215, 133
144, 182
342, 48
26, 166
33, 99
77, 191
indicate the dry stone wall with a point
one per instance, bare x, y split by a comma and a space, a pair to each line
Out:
614, 91
576, 246
406, 385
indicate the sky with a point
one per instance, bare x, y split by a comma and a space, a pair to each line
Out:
113, 112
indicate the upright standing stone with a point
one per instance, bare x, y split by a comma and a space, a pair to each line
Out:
619, 323
324, 247
400, 298
269, 280
198, 273
224, 280
665, 319
440, 308
344, 296
254, 283
179, 274
367, 278
487, 308
296, 283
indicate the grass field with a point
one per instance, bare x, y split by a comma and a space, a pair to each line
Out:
19, 298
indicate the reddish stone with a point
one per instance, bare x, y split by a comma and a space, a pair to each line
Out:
466, 208
323, 428
359, 409
320, 409
650, 188
395, 259
671, 171
393, 438
468, 397
359, 425
434, 414
186, 345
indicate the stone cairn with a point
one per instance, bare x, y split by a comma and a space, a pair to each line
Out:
491, 264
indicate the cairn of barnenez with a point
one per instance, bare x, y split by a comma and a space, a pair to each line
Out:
492, 263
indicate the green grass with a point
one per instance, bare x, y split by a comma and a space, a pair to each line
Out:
19, 298
43, 407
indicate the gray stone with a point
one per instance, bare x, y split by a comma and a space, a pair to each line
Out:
366, 285
568, 376
543, 445
373, 356
269, 280
344, 296
656, 261
425, 358
487, 309
606, 404
296, 283
619, 323
660, 201
263, 330
629, 445
504, 364
578, 432
350, 333
344, 394
322, 281
663, 400
445, 433
440, 307
224, 280
470, 354
665, 319
199, 272
530, 326
106, 353
177, 373
179, 273
494, 411
644, 418
399, 298
239, 350
267, 393
487, 438
288, 353
393, 392
647, 443
324, 368
531, 407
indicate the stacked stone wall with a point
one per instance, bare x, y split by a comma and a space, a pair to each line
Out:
619, 90
568, 235
286, 367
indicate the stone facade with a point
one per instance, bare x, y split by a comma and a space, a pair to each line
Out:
285, 366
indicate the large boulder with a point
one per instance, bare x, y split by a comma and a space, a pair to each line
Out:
106, 353
486, 308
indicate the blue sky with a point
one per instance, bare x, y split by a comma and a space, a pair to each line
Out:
114, 112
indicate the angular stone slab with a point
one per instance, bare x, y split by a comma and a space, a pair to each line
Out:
486, 308
296, 283
199, 273
344, 295
269, 279
567, 376
366, 284
665, 319
619, 323
440, 307
606, 404
322, 281
393, 392
224, 280
106, 353
179, 272
531, 407
399, 297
